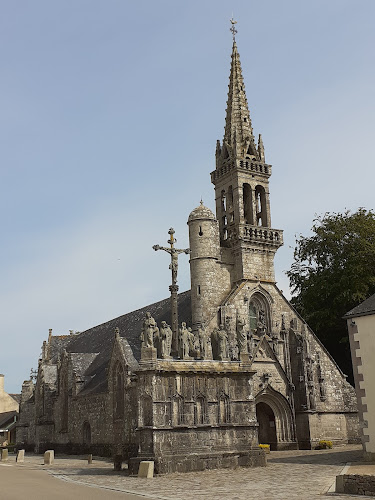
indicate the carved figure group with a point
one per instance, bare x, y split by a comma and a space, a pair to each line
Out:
224, 343
152, 336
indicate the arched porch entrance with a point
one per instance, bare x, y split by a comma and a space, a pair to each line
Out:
275, 419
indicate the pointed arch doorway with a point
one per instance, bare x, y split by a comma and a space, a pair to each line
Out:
276, 420
267, 425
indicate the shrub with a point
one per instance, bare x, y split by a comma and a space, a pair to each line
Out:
324, 445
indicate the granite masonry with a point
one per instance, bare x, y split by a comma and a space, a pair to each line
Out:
240, 366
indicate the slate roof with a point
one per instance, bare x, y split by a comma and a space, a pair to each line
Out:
99, 339
365, 308
56, 346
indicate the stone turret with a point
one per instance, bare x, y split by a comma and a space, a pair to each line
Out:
204, 264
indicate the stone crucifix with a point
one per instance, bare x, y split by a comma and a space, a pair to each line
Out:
173, 266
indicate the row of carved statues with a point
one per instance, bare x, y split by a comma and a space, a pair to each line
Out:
221, 343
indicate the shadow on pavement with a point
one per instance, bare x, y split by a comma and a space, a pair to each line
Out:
324, 458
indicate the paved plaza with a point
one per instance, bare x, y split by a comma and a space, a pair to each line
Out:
289, 475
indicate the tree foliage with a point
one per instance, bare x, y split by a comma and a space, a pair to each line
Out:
333, 271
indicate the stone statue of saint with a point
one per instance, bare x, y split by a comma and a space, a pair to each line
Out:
184, 341
192, 341
242, 336
150, 330
165, 336
204, 343
222, 338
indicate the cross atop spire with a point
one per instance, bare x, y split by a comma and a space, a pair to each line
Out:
238, 129
233, 28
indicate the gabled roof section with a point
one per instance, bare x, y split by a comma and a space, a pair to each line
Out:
366, 308
238, 129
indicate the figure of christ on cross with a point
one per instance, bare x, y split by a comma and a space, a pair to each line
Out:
173, 266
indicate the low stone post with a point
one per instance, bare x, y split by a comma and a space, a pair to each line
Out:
89, 459
4, 455
20, 458
146, 469
117, 462
49, 456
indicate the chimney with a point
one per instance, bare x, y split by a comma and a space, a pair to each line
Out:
1, 383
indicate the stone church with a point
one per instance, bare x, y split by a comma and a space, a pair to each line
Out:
238, 367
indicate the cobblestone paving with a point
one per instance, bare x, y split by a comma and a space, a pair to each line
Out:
288, 475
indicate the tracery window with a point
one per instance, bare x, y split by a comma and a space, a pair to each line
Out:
118, 392
200, 410
224, 409
259, 312
86, 433
177, 410
65, 402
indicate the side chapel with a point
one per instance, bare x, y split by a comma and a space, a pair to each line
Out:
241, 367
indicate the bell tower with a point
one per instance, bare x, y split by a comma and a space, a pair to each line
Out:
241, 181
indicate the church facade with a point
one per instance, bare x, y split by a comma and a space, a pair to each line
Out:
242, 367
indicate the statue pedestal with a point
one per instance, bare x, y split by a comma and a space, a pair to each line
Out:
244, 357
148, 355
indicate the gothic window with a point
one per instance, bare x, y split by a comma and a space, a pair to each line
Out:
200, 410
224, 409
230, 199
118, 392
41, 398
223, 201
177, 410
248, 204
86, 433
65, 402
260, 197
146, 411
259, 312
253, 316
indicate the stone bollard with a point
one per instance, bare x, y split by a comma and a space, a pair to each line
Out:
49, 456
4, 455
146, 469
89, 459
20, 458
117, 462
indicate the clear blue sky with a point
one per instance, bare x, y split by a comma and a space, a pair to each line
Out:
110, 111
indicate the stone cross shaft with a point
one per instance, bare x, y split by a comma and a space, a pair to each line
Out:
173, 266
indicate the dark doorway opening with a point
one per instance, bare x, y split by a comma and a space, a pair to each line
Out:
267, 425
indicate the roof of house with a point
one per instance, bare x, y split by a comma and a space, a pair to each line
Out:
365, 308
97, 342
7, 418
16, 397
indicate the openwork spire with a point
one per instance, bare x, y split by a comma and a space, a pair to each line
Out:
238, 130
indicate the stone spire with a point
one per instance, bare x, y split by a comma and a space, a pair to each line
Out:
238, 135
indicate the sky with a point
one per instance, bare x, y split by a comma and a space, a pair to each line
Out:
110, 112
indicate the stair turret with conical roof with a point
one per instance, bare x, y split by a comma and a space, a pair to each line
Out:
241, 180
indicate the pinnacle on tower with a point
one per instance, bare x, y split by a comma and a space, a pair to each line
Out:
238, 135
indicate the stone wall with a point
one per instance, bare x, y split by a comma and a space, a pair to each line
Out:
195, 413
355, 484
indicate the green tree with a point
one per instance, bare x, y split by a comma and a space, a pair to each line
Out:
333, 271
